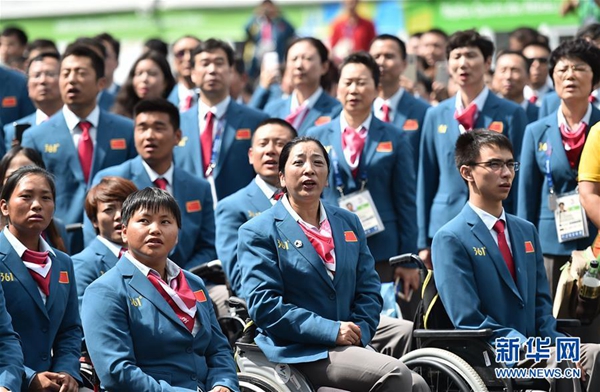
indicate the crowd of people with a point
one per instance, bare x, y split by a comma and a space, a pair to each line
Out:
303, 180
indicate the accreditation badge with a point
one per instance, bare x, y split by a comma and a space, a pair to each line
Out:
570, 218
361, 203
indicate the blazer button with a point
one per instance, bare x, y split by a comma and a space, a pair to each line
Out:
188, 350
44, 329
44, 357
332, 297
193, 377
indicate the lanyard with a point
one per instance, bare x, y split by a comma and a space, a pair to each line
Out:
339, 183
216, 147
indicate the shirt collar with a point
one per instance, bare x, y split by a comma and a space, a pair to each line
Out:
184, 92
114, 248
479, 100
294, 214
171, 269
392, 101
344, 123
40, 117
268, 189
488, 219
20, 248
309, 103
72, 120
218, 110
154, 175
563, 121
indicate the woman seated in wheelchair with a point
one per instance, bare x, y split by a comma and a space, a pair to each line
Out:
488, 265
310, 283
148, 324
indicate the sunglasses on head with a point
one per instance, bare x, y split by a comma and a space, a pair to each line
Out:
541, 60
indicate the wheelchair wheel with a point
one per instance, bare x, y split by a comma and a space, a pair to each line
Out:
433, 364
256, 383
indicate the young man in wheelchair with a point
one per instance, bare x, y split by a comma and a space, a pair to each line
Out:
488, 265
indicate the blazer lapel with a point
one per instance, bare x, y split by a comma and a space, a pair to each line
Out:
290, 229
102, 142
139, 175
191, 139
339, 240
314, 113
54, 284
517, 243
374, 136
257, 198
488, 112
142, 285
231, 121
404, 107
558, 155
62, 135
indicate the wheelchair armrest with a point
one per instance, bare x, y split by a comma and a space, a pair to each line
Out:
211, 271
568, 323
452, 333
73, 227
237, 303
407, 259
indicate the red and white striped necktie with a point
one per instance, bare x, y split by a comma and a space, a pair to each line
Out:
178, 295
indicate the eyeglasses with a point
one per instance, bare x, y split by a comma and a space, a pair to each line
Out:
39, 75
497, 165
541, 60
578, 69
180, 53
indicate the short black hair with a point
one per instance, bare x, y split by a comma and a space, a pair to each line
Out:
591, 31
277, 121
160, 105
14, 179
525, 35
581, 49
365, 59
116, 45
526, 63
213, 44
82, 50
157, 45
151, 199
15, 31
41, 43
470, 38
398, 41
317, 43
41, 57
285, 152
92, 43
439, 32
469, 145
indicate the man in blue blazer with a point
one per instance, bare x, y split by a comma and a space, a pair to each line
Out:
184, 94
58, 139
394, 105
11, 355
488, 264
42, 84
384, 166
235, 210
537, 55
14, 101
215, 145
54, 344
441, 192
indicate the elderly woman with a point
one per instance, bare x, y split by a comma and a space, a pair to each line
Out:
551, 151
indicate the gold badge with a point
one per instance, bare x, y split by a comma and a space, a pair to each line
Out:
442, 128
479, 251
51, 148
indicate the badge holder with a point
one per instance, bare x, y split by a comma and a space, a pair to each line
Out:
570, 218
361, 203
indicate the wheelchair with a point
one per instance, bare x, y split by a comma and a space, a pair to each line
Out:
456, 360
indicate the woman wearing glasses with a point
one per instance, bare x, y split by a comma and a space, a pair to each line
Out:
150, 77
550, 155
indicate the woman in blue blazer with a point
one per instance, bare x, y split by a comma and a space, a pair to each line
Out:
149, 325
38, 284
552, 147
310, 282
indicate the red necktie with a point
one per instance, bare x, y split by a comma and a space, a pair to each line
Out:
573, 142
206, 141
504, 249
296, 118
85, 149
122, 251
323, 245
189, 100
466, 117
183, 293
40, 258
533, 99
354, 144
278, 194
592, 99
161, 183
386, 113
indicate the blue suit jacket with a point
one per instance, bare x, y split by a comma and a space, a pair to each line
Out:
232, 172
11, 355
232, 212
441, 191
550, 103
197, 235
410, 114
292, 300
51, 333
9, 131
477, 289
263, 96
90, 264
541, 138
138, 343
14, 97
53, 141
532, 113
322, 112
106, 100
390, 179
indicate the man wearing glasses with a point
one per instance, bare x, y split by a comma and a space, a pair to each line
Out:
537, 55
184, 95
42, 85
